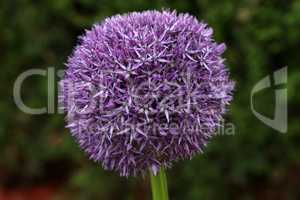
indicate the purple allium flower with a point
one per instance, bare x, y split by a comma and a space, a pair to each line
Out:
142, 90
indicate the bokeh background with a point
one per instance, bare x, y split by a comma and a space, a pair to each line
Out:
40, 160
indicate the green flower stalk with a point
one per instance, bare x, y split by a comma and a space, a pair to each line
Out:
159, 186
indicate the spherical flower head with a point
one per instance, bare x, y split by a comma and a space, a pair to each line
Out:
143, 90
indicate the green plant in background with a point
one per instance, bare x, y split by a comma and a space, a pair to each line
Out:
256, 163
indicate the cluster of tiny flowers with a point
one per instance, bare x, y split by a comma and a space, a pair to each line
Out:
143, 90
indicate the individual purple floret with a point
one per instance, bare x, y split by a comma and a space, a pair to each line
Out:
142, 90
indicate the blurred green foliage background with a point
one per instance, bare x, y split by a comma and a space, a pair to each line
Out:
38, 154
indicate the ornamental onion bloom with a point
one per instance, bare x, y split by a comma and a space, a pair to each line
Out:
145, 89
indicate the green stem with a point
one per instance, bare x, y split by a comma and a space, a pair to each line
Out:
159, 186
